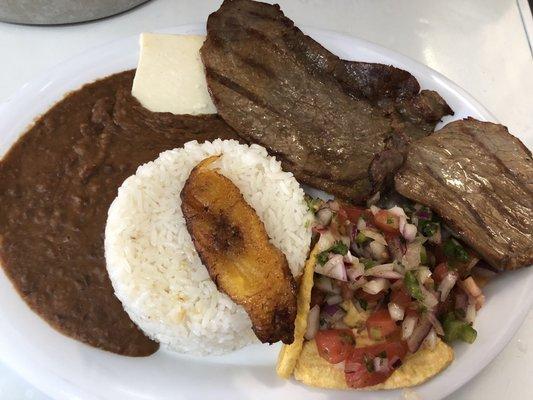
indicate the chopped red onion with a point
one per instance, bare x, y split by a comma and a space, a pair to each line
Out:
422, 214
448, 282
355, 271
313, 320
408, 326
470, 286
374, 210
430, 298
378, 251
418, 335
436, 324
324, 283
361, 224
324, 216
334, 268
396, 311
376, 285
470, 315
461, 300
431, 339
378, 237
358, 283
333, 299
398, 211
411, 258
397, 247
330, 309
409, 232
381, 365
480, 301
383, 271
333, 205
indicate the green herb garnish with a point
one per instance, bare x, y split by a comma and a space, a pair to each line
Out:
412, 286
313, 204
428, 228
363, 303
454, 251
322, 257
368, 263
338, 248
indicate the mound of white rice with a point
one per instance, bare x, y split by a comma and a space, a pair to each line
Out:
152, 262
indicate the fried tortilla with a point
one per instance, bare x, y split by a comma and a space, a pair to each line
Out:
289, 354
233, 244
313, 370
301, 358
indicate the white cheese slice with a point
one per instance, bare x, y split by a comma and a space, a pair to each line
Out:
170, 75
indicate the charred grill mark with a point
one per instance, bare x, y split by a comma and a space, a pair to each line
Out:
235, 87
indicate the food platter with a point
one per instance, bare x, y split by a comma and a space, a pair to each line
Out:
64, 368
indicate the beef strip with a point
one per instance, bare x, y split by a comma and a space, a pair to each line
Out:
340, 126
479, 178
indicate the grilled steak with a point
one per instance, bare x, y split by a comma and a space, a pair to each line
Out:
338, 125
479, 178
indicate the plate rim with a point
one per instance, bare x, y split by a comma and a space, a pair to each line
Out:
56, 386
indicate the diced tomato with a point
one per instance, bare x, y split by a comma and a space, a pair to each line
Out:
359, 367
400, 296
387, 222
380, 325
353, 213
440, 272
369, 298
334, 345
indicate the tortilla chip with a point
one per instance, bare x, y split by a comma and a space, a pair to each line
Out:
289, 354
313, 370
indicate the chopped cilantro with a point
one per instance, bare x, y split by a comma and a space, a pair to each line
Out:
428, 228
363, 303
412, 286
322, 257
454, 251
313, 203
368, 263
338, 248
383, 354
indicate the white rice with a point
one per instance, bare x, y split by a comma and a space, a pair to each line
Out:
152, 262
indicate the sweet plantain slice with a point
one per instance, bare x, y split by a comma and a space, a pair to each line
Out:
233, 244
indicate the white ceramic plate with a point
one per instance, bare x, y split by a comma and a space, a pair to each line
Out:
67, 369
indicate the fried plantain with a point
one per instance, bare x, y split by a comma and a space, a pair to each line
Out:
234, 246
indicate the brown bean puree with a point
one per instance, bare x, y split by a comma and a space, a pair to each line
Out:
56, 185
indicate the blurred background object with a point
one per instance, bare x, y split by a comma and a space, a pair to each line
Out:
52, 12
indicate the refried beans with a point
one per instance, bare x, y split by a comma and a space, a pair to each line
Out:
56, 185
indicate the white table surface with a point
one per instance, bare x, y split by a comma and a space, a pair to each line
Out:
482, 45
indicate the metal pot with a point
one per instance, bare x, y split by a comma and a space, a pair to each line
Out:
47, 12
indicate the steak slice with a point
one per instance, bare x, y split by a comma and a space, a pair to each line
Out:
326, 119
479, 179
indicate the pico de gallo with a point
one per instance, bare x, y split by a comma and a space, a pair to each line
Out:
388, 281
